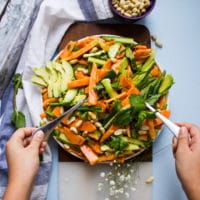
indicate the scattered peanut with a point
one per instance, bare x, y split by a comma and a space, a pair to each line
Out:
131, 8
73, 129
149, 180
154, 37
158, 44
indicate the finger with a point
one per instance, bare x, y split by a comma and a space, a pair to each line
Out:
174, 145
183, 140
21, 133
43, 145
189, 126
37, 140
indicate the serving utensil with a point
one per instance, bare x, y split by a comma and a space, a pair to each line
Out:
48, 128
172, 126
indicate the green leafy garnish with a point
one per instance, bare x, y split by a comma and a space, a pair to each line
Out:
17, 118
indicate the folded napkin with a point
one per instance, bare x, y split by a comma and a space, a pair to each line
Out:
39, 43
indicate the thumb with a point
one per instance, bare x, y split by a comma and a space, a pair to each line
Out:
37, 140
183, 139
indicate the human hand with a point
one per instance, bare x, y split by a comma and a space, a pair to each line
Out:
22, 152
186, 150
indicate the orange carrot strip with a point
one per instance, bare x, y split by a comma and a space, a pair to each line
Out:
162, 102
95, 147
128, 130
87, 126
80, 75
107, 64
157, 121
140, 47
72, 137
108, 133
82, 61
56, 111
152, 131
43, 115
142, 53
105, 158
78, 83
89, 154
48, 101
68, 49
119, 96
93, 97
116, 66
101, 73
80, 52
155, 72
143, 137
83, 42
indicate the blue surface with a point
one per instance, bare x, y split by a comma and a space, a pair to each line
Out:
176, 24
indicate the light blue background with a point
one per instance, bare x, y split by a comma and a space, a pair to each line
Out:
177, 26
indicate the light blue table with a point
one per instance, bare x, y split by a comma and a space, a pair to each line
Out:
177, 25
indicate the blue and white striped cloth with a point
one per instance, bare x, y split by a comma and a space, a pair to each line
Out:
30, 32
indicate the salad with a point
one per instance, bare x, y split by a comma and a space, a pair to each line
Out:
117, 75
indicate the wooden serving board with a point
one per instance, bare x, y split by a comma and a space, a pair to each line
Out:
79, 30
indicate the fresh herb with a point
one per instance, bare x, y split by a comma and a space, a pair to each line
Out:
17, 118
117, 144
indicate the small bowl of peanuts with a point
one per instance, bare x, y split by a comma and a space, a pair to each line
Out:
132, 10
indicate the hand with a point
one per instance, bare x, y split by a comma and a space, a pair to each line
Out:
186, 149
22, 152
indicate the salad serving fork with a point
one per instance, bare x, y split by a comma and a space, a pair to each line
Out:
48, 128
171, 125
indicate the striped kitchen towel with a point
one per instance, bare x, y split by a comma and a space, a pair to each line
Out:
25, 46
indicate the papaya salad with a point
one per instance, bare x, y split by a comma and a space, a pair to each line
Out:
117, 75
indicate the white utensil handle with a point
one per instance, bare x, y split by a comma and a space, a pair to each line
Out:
172, 127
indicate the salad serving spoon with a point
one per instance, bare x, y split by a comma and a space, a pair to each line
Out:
48, 128
171, 125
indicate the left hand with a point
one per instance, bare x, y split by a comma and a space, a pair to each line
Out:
22, 152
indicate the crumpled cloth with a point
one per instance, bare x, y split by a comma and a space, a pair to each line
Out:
39, 41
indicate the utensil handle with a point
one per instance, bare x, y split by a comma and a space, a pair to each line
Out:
172, 127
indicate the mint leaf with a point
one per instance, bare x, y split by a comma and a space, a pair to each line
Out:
18, 119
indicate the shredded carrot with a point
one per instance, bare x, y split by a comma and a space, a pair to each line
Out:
87, 126
80, 52
72, 137
119, 96
116, 66
107, 64
140, 47
78, 83
80, 75
95, 147
105, 158
43, 115
68, 49
143, 137
162, 102
56, 111
142, 53
83, 61
108, 133
155, 72
48, 101
152, 132
128, 130
89, 154
157, 121
93, 97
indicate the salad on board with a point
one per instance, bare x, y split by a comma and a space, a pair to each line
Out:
117, 75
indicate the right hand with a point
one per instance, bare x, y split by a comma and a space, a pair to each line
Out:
186, 150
